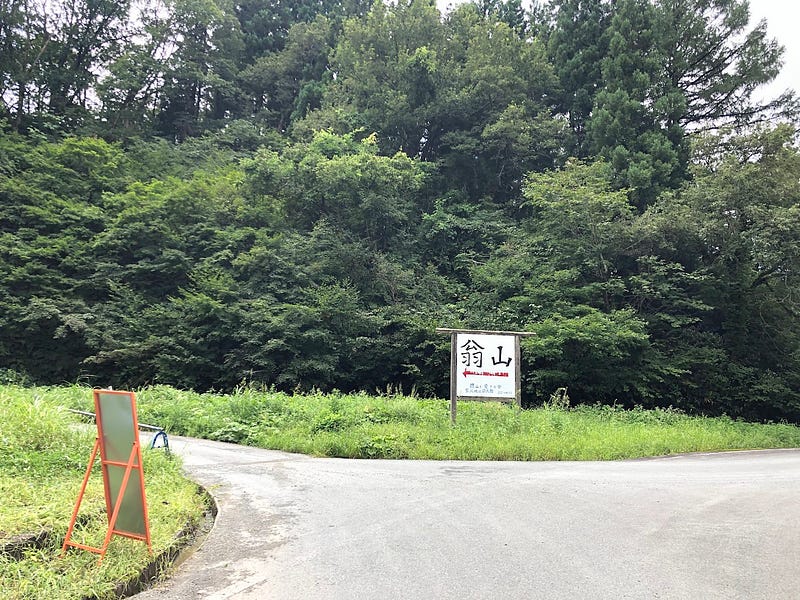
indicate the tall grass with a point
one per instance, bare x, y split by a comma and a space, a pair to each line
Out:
43, 453
397, 426
43, 456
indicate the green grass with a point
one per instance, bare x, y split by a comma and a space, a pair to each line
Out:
43, 455
44, 449
396, 426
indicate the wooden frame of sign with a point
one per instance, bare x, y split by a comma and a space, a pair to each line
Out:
486, 357
123, 473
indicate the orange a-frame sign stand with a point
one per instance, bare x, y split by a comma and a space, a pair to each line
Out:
123, 474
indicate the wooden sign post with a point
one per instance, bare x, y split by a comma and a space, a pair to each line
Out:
123, 474
484, 366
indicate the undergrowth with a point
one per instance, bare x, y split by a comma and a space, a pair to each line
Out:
398, 426
44, 450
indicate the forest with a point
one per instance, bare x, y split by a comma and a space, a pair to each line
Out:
295, 194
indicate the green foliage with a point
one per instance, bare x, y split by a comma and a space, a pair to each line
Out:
746, 212
467, 91
346, 183
577, 46
51, 54
395, 426
668, 67
42, 463
640, 308
50, 209
627, 126
286, 84
600, 356
336, 179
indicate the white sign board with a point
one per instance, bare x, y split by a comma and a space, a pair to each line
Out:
485, 366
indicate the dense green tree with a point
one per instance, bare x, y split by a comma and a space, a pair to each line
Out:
385, 65
345, 182
160, 230
746, 207
199, 79
19, 48
130, 91
692, 300
50, 210
510, 12
333, 299
266, 25
51, 53
283, 69
333, 181
284, 85
630, 126
672, 67
595, 283
564, 275
449, 91
713, 63
577, 45
496, 120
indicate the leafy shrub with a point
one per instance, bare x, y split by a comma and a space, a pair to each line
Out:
385, 445
329, 421
232, 432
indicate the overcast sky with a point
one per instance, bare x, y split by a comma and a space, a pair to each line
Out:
783, 21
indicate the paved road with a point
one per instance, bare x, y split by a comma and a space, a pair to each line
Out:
292, 527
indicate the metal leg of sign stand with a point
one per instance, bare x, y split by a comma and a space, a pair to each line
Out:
74, 518
134, 458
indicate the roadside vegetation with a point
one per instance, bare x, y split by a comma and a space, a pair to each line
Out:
44, 451
397, 426
43, 454
297, 194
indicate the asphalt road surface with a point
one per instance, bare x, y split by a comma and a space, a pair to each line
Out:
291, 527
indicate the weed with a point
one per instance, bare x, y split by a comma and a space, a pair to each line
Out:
328, 421
43, 458
232, 432
559, 400
386, 445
